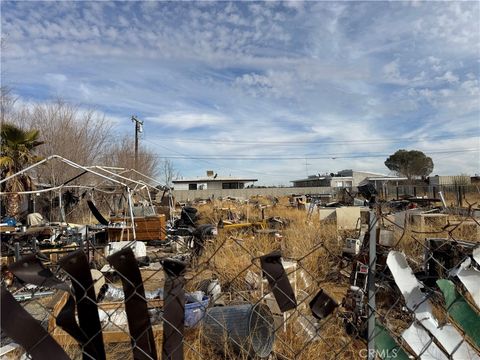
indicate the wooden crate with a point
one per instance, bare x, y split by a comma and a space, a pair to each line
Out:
109, 336
146, 228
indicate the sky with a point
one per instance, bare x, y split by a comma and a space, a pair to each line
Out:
269, 90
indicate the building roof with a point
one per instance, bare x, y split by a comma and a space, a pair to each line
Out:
372, 173
386, 178
212, 179
324, 177
311, 178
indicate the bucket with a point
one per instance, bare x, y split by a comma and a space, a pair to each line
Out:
248, 328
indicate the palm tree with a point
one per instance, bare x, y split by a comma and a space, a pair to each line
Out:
17, 152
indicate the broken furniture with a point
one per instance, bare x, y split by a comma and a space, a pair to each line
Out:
146, 228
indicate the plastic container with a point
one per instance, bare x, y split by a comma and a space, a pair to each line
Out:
248, 328
195, 312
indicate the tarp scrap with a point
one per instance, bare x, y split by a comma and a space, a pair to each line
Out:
460, 311
386, 346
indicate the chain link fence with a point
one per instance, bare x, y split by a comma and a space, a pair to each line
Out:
272, 281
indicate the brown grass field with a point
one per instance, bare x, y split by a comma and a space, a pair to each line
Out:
317, 247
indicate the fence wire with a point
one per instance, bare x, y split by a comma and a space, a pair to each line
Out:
273, 281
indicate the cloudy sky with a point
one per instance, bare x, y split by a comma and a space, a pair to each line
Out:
271, 90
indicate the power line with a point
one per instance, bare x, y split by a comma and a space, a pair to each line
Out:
319, 142
333, 156
186, 157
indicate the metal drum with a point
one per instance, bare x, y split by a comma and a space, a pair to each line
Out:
248, 328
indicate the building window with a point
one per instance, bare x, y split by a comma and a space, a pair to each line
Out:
192, 186
232, 185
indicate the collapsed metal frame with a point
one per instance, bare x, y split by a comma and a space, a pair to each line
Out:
110, 176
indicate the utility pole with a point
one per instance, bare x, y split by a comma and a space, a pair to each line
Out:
138, 129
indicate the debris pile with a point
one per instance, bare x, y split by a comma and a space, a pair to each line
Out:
227, 278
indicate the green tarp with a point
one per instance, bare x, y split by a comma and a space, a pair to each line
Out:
460, 311
386, 346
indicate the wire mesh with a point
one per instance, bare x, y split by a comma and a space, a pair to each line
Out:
231, 310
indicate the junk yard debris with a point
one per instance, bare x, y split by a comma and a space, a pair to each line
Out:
139, 275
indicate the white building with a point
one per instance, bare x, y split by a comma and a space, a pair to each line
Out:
345, 179
212, 182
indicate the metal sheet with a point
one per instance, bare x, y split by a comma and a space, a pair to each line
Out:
142, 340
470, 278
76, 266
422, 344
173, 310
476, 254
278, 280
416, 300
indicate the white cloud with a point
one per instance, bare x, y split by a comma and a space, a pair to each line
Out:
391, 70
448, 77
186, 120
55, 78
300, 71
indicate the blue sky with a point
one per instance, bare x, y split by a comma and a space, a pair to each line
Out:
271, 90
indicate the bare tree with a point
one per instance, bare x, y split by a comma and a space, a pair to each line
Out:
122, 154
76, 134
168, 172
7, 102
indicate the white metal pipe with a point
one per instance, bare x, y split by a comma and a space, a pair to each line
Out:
120, 176
443, 199
57, 188
66, 161
151, 203
130, 206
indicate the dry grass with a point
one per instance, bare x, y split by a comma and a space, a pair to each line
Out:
317, 249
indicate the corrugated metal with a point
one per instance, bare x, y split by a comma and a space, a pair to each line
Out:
450, 180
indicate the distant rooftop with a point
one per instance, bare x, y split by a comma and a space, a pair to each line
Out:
322, 177
348, 174
213, 177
